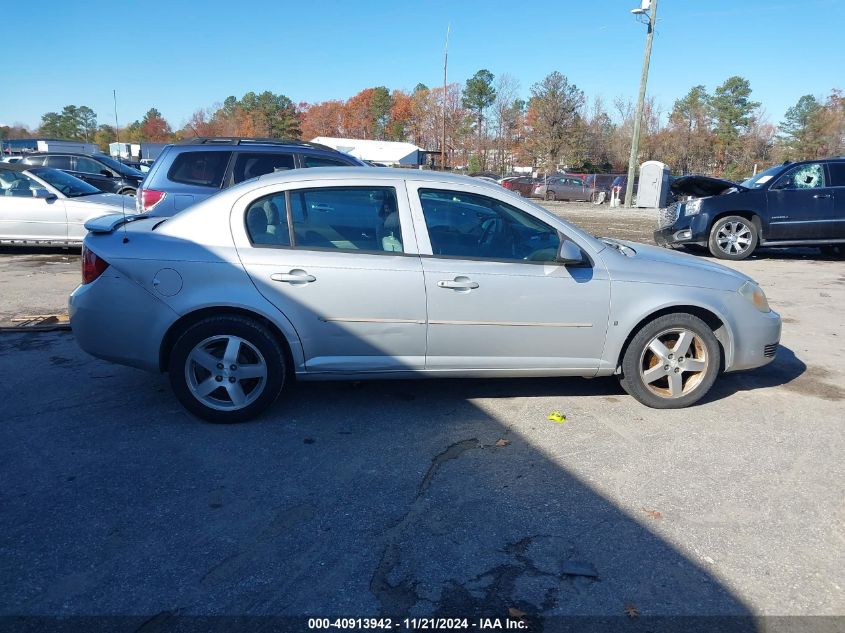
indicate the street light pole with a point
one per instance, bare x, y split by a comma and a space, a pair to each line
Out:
635, 141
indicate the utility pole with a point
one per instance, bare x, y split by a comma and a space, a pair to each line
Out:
635, 141
445, 62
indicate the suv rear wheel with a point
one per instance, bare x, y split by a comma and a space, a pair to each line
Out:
733, 237
227, 369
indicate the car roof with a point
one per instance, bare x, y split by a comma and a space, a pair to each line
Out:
381, 173
16, 166
60, 153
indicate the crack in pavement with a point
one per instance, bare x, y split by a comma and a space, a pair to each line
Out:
397, 599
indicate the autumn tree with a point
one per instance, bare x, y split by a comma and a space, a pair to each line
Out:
553, 109
322, 119
154, 128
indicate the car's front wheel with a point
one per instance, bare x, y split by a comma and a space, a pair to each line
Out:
733, 237
227, 369
671, 362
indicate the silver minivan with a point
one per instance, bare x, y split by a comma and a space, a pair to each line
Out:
351, 273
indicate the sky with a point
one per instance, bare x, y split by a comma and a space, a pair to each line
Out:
180, 55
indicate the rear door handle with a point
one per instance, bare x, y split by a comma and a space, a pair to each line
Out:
459, 283
296, 276
822, 195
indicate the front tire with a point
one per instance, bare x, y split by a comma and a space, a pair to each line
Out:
733, 237
550, 196
671, 362
227, 369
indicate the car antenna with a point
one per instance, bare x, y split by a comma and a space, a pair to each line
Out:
117, 136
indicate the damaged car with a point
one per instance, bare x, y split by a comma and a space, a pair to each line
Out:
792, 204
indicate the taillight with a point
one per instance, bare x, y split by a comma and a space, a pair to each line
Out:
149, 198
92, 266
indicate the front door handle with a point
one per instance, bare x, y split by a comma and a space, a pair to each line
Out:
296, 276
821, 195
458, 283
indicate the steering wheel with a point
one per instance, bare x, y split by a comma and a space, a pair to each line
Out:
488, 227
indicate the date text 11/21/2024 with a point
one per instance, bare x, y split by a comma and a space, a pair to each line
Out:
418, 624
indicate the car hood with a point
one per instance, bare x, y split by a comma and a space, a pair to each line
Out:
701, 186
112, 200
662, 265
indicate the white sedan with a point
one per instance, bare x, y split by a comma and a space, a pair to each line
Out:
43, 205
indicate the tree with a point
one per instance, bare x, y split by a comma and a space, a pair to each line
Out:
104, 135
322, 119
552, 112
507, 112
733, 113
690, 130
358, 115
154, 128
380, 105
479, 95
51, 125
800, 130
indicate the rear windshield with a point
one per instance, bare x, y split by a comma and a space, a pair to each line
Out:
205, 169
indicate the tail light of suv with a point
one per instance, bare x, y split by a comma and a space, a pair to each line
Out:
147, 199
92, 265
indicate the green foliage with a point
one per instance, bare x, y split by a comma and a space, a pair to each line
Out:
73, 123
380, 104
801, 133
733, 113
553, 108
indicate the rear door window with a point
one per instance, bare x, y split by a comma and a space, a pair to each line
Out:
59, 162
346, 218
266, 221
321, 161
205, 169
251, 165
837, 174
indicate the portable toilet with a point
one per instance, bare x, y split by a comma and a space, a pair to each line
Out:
653, 188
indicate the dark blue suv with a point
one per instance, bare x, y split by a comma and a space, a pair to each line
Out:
194, 169
793, 204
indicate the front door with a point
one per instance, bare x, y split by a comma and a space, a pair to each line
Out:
497, 297
96, 174
341, 264
25, 217
801, 204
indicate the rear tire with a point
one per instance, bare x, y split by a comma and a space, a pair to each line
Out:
550, 196
733, 237
227, 369
671, 362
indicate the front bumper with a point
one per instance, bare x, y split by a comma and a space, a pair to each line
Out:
675, 228
755, 341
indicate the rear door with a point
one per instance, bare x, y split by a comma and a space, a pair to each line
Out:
836, 171
25, 217
497, 297
341, 263
95, 173
801, 204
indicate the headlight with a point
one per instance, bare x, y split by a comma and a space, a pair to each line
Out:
755, 295
692, 207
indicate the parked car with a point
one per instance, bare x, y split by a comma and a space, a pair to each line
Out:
521, 186
786, 205
563, 188
190, 171
384, 273
39, 204
103, 172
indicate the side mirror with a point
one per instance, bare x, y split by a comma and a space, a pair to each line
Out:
106, 173
570, 254
44, 194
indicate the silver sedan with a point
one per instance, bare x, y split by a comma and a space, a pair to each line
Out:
350, 273
44, 205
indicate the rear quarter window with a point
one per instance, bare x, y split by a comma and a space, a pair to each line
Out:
837, 174
205, 169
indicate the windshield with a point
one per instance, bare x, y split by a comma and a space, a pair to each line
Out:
119, 167
756, 182
64, 182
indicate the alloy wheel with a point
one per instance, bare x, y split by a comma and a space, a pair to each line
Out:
734, 238
674, 363
225, 373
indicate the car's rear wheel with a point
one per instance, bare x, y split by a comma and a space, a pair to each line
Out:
733, 237
671, 362
518, 192
227, 369
550, 196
